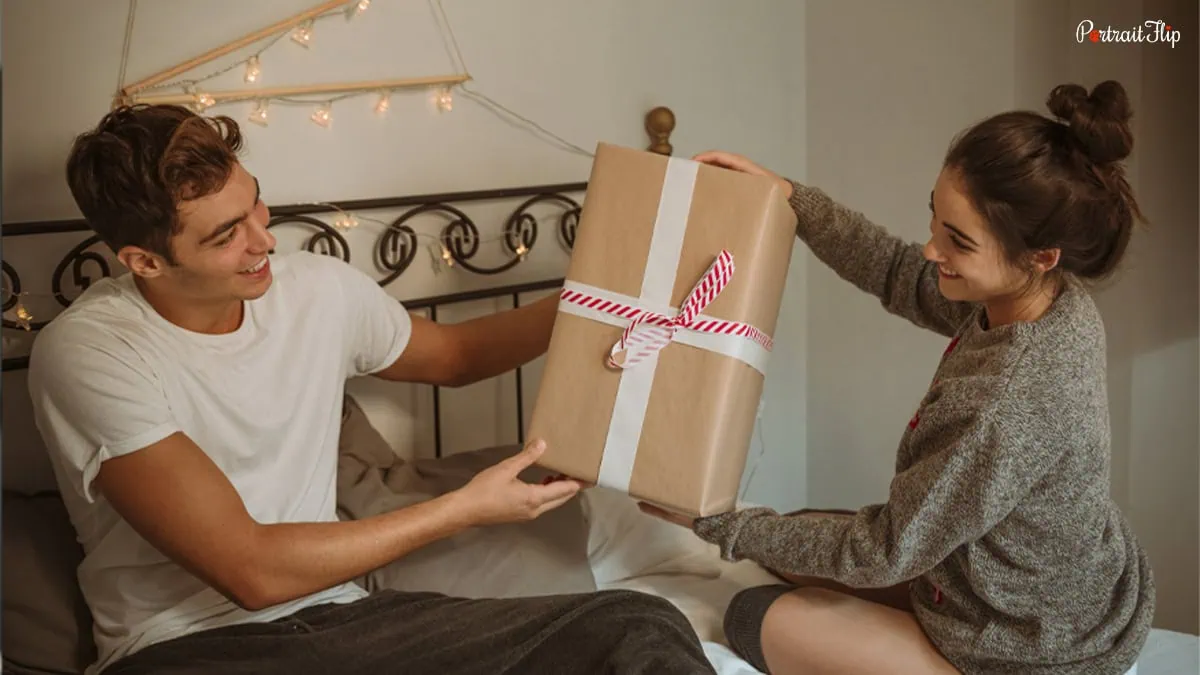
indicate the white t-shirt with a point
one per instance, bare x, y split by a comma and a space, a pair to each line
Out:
110, 375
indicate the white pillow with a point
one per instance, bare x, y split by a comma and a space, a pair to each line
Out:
624, 543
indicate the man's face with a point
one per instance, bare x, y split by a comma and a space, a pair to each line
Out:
221, 248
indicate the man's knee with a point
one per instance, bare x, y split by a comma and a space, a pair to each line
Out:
647, 612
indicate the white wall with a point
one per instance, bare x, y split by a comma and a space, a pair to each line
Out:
587, 71
884, 100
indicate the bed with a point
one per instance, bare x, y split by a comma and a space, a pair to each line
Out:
398, 446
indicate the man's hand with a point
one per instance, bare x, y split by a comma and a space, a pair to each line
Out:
669, 516
728, 160
498, 495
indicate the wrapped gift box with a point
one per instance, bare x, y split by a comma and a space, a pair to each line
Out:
655, 367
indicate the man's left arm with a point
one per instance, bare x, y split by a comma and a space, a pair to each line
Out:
455, 355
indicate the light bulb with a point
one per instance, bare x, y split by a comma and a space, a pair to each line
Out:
445, 100
259, 114
356, 9
323, 116
446, 257
521, 251
24, 318
303, 34
384, 103
345, 221
253, 71
204, 101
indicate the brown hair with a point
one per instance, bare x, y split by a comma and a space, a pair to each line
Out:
129, 174
1044, 183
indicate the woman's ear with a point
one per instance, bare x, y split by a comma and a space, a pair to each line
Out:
1045, 260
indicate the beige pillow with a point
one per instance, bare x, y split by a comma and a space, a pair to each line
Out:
548, 555
46, 623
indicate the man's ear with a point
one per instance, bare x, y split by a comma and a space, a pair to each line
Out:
1046, 260
142, 262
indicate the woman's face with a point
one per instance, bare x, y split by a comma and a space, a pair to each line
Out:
971, 262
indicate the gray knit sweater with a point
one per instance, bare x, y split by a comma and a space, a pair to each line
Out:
999, 511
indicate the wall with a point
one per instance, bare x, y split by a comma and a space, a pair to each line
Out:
586, 71
884, 100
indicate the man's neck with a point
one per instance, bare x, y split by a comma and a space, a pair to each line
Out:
198, 317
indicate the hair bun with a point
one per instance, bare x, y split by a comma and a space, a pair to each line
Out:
1099, 121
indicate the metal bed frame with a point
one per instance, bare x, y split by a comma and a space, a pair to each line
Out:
395, 250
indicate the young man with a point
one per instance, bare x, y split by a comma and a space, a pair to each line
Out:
192, 410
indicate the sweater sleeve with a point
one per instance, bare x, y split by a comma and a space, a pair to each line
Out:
974, 468
875, 261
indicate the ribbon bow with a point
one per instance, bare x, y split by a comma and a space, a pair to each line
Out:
650, 331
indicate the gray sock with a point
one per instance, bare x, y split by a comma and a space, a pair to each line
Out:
744, 620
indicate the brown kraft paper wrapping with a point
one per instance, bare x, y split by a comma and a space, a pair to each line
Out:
699, 418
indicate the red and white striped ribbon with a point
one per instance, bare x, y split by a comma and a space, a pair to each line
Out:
648, 332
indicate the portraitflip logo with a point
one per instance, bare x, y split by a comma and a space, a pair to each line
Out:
1154, 30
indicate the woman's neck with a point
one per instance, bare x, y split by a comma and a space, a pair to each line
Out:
1027, 307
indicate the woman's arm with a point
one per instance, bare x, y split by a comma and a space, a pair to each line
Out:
862, 252
875, 261
976, 465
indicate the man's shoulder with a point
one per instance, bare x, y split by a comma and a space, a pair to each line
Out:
104, 310
105, 321
300, 265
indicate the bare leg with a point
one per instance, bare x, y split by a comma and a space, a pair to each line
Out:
816, 630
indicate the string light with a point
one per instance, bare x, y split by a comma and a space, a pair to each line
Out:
259, 114
24, 318
345, 221
323, 116
302, 35
445, 99
253, 71
384, 103
21, 314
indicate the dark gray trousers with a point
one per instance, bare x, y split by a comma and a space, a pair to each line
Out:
431, 634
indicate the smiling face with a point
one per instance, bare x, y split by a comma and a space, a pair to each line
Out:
220, 251
971, 263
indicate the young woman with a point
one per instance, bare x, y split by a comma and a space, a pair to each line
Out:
999, 548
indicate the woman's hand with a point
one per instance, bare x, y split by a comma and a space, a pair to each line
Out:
676, 518
728, 160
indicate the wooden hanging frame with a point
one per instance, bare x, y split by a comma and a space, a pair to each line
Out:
306, 90
129, 94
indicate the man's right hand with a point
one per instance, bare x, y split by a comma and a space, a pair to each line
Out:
497, 494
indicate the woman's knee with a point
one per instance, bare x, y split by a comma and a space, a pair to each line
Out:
744, 620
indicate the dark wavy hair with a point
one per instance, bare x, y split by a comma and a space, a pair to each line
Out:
129, 174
